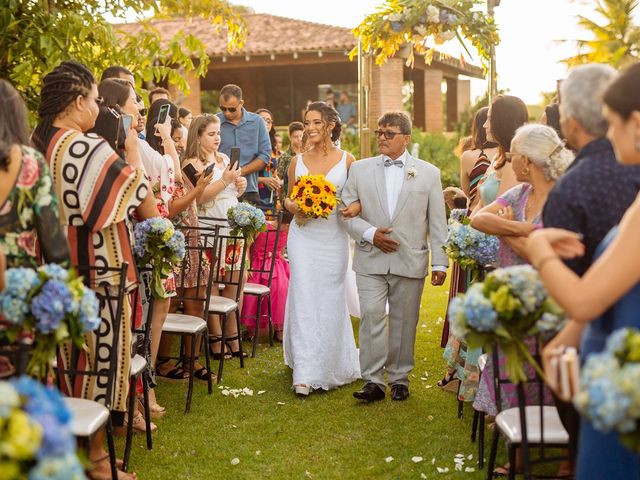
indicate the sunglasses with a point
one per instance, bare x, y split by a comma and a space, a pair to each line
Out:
387, 134
143, 112
228, 109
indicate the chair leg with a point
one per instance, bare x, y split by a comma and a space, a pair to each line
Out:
460, 402
474, 425
492, 454
131, 407
192, 359
512, 462
147, 410
240, 349
112, 449
207, 359
271, 332
256, 328
481, 441
223, 339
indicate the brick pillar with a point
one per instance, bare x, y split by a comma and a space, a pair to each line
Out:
386, 89
464, 95
452, 103
419, 110
434, 118
192, 101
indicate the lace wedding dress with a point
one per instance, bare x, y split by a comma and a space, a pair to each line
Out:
318, 337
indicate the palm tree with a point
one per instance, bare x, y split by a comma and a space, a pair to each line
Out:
616, 41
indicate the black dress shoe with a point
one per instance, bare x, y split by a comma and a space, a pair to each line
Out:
370, 393
399, 392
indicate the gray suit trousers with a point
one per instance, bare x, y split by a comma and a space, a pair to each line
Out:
389, 347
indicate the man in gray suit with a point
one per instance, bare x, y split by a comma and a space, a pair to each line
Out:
401, 204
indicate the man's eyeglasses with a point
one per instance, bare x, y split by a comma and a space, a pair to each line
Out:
387, 134
228, 109
508, 156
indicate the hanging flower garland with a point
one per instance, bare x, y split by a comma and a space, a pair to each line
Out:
414, 22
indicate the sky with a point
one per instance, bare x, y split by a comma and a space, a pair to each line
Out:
530, 30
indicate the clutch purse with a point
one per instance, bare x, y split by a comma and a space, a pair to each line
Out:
565, 370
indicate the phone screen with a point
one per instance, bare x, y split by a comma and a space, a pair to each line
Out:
208, 170
191, 173
235, 156
126, 123
164, 111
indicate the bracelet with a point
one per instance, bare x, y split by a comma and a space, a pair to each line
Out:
224, 183
545, 260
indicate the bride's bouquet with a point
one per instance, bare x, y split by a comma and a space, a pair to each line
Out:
315, 196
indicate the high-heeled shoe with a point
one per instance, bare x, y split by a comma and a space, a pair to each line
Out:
302, 390
236, 353
218, 355
449, 376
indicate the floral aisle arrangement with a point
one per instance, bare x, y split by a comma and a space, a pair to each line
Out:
160, 245
422, 23
315, 196
610, 388
246, 220
509, 305
54, 303
468, 247
35, 439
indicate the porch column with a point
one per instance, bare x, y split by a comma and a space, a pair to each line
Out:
433, 100
386, 89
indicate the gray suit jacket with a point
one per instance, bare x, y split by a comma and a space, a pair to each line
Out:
420, 213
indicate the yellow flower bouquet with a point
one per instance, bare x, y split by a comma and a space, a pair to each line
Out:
315, 196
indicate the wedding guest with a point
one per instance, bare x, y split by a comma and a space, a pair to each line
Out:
158, 93
538, 158
220, 195
296, 132
98, 191
551, 117
246, 130
347, 111
583, 200
607, 296
184, 117
178, 137
269, 183
505, 115
116, 71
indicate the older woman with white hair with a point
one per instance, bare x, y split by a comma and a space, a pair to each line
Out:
538, 158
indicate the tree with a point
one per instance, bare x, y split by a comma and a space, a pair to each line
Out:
615, 41
36, 35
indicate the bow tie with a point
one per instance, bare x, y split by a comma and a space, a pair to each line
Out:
396, 163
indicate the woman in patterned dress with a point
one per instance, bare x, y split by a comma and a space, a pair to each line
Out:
98, 191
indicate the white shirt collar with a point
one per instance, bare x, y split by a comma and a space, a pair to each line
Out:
402, 157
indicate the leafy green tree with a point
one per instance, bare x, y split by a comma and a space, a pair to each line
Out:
616, 39
36, 35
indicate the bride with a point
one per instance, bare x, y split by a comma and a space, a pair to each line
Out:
318, 336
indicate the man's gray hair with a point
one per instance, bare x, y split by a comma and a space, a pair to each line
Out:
581, 96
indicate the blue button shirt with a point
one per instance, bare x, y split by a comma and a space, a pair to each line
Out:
251, 135
591, 197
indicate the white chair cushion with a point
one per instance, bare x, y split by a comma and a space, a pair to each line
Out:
508, 421
255, 289
221, 304
180, 323
138, 363
87, 416
482, 361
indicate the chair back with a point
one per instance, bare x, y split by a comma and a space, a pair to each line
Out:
264, 250
78, 369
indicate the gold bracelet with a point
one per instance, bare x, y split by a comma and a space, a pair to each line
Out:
545, 260
224, 183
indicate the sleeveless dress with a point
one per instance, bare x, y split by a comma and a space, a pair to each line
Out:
601, 455
318, 336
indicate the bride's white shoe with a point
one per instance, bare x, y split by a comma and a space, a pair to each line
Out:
302, 389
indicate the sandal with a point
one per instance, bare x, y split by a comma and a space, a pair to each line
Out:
155, 410
139, 425
449, 376
217, 355
92, 474
202, 375
237, 352
175, 374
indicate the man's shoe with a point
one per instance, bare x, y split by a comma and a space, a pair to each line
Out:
399, 392
370, 393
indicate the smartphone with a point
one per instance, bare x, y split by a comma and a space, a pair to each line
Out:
164, 111
235, 157
191, 173
127, 120
209, 170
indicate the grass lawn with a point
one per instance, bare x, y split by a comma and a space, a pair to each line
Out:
328, 435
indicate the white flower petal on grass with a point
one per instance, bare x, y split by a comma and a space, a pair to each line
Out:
281, 403
247, 391
258, 452
220, 387
416, 459
235, 461
458, 460
459, 455
458, 467
428, 386
430, 418
470, 457
225, 392
388, 459
433, 461
442, 470
422, 475
469, 469
260, 392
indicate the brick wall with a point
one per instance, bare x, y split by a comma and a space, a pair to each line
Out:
386, 89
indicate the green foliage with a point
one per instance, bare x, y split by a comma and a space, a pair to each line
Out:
616, 41
35, 36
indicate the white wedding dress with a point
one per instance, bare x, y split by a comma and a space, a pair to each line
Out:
318, 337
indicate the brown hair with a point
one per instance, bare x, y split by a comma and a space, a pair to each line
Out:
396, 119
508, 113
622, 95
295, 127
14, 124
231, 90
158, 91
114, 91
198, 125
328, 115
478, 132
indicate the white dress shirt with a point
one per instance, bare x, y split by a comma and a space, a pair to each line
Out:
394, 178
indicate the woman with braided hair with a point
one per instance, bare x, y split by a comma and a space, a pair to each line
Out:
98, 191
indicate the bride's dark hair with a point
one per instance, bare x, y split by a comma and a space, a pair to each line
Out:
328, 115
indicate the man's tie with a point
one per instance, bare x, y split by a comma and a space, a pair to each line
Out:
396, 163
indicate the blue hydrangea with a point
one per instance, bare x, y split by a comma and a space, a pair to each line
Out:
177, 245
457, 215
617, 340
467, 242
89, 311
51, 305
457, 321
9, 399
478, 310
55, 272
58, 468
14, 309
19, 282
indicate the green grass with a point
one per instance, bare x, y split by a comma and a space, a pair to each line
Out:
325, 436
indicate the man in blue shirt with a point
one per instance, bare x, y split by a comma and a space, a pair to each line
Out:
246, 130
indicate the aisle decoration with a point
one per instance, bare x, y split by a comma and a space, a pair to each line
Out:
54, 303
159, 245
315, 196
508, 306
246, 220
35, 433
468, 247
421, 23
610, 388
